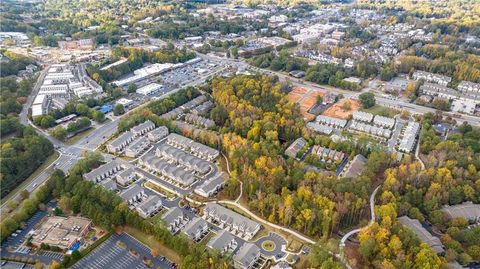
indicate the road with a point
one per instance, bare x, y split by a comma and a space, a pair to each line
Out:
372, 220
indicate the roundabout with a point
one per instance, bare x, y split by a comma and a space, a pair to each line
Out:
268, 245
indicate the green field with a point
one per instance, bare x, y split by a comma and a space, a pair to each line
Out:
381, 111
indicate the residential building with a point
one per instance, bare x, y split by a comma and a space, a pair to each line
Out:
157, 134
330, 121
191, 146
223, 241
320, 128
247, 256
295, 147
175, 219
407, 143
118, 145
180, 157
126, 177
150, 206
110, 185
422, 233
196, 229
356, 166
103, 172
466, 210
230, 220
167, 171
143, 128
362, 116
199, 120
384, 121
328, 155
211, 186
133, 195
469, 87
431, 77
137, 146
378, 132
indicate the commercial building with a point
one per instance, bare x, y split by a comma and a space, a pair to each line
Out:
126, 103
431, 77
422, 233
223, 241
150, 89
295, 147
247, 256
211, 186
150, 206
231, 221
396, 85
61, 232
157, 134
175, 219
137, 147
466, 210
120, 143
56, 91
196, 229
144, 72
41, 105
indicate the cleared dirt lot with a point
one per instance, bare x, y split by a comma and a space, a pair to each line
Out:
306, 98
337, 110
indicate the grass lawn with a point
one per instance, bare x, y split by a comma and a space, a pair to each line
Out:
294, 246
153, 244
77, 137
27, 181
268, 245
381, 110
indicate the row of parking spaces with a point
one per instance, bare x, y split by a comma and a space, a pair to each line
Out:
109, 255
17, 238
23, 250
51, 254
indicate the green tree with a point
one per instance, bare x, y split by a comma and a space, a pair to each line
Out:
132, 87
367, 99
59, 132
118, 110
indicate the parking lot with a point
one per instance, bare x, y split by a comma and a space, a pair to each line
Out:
110, 256
15, 240
51, 254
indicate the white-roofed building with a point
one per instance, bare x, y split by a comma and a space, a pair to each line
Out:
150, 89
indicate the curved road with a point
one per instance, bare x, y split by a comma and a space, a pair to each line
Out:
372, 220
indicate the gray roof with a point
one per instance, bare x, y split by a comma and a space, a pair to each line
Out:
122, 139
422, 233
467, 210
356, 167
231, 217
143, 126
109, 184
247, 254
131, 192
295, 147
138, 144
194, 225
220, 240
101, 170
172, 214
151, 201
159, 132
212, 183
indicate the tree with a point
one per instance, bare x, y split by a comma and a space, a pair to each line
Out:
118, 110
59, 132
367, 99
76, 255
47, 121
98, 116
132, 87
347, 105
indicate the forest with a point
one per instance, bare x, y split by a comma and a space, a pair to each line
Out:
21, 156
